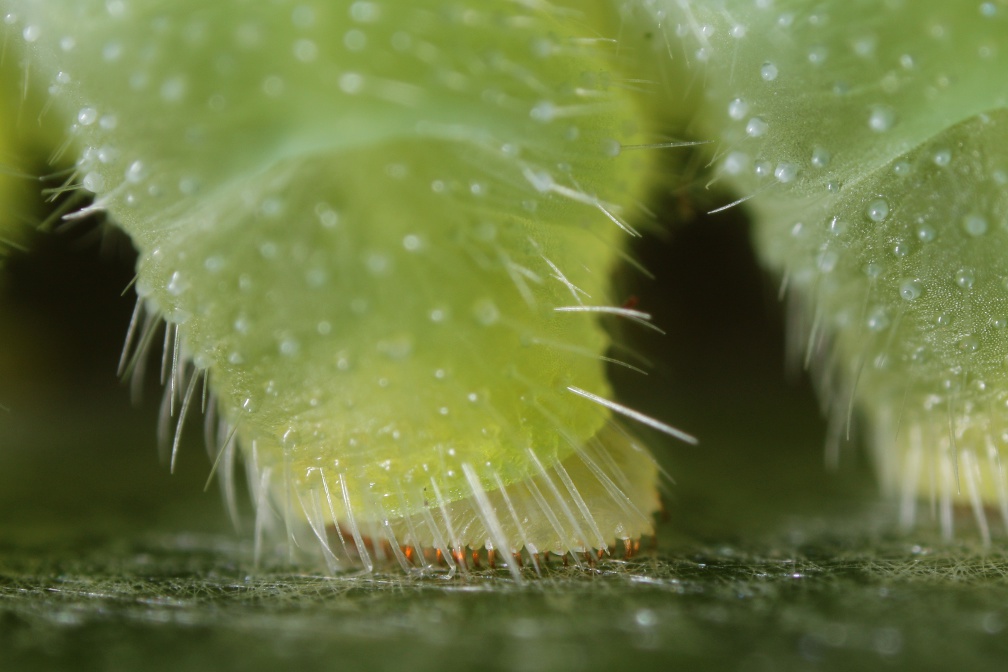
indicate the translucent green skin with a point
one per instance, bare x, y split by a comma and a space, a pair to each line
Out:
362, 217
870, 140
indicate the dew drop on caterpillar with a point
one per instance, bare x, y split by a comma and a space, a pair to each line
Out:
868, 141
383, 231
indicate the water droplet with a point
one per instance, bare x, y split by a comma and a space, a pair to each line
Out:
486, 312
975, 225
878, 210
360, 306
827, 261
31, 33
942, 158
214, 263
611, 147
901, 168
543, 111
112, 51
378, 264
768, 72
93, 182
351, 83
268, 250
177, 285
412, 243
736, 163
864, 46
273, 86
355, 40
910, 289
363, 11
756, 127
399, 346
817, 55
926, 233
965, 278
135, 172
316, 277
289, 347
328, 217
541, 180
189, 185
786, 172
877, 320
821, 157
173, 89
738, 109
87, 116
881, 119
305, 50
969, 344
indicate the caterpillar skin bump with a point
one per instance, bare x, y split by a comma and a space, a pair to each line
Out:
387, 252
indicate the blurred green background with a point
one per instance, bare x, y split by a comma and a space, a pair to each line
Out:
765, 559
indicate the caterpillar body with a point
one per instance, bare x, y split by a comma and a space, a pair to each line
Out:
388, 250
867, 140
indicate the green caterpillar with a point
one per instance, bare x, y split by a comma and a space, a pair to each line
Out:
387, 248
384, 233
867, 140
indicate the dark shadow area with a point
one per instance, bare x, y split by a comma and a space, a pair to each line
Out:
77, 459
67, 297
719, 373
